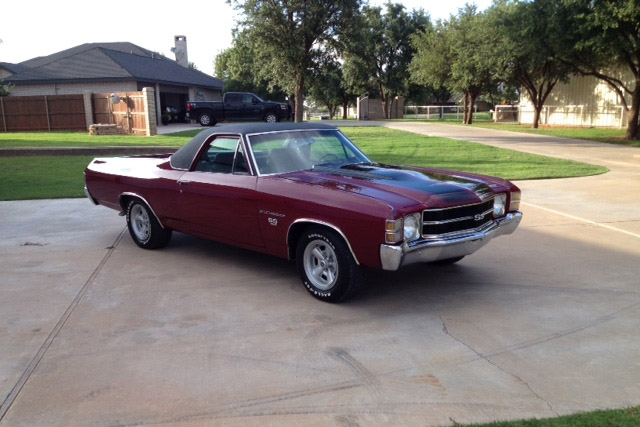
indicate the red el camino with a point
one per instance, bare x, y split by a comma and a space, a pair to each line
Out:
305, 192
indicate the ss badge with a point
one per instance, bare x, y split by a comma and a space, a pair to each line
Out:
273, 221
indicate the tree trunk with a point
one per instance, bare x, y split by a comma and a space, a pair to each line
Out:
299, 100
633, 128
536, 115
389, 107
464, 108
332, 110
345, 107
472, 101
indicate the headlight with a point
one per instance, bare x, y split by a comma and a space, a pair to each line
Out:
499, 203
514, 204
412, 226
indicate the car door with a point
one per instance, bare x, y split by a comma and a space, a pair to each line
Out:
233, 106
252, 107
218, 196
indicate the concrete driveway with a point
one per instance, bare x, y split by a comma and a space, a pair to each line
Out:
94, 331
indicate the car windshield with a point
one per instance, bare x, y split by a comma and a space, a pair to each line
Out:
289, 151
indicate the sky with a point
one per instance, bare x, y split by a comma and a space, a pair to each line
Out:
32, 28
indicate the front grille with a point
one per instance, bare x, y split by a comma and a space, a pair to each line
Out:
456, 220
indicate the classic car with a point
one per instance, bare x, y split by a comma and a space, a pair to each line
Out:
305, 192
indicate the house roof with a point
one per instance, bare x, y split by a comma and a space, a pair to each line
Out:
12, 68
109, 62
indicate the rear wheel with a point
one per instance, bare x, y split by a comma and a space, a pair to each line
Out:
206, 119
144, 228
326, 266
270, 118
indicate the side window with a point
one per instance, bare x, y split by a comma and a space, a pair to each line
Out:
247, 99
219, 156
233, 98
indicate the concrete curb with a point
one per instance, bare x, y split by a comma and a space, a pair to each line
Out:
85, 151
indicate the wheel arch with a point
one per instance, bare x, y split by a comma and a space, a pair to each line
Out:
125, 198
298, 226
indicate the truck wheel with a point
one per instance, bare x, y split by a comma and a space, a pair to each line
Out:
326, 266
205, 119
144, 228
270, 118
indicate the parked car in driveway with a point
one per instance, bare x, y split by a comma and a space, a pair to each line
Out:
237, 106
305, 192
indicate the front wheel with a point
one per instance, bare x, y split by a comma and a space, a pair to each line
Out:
206, 119
326, 266
144, 228
270, 118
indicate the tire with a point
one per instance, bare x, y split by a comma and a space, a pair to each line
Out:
326, 266
447, 261
206, 119
271, 118
144, 228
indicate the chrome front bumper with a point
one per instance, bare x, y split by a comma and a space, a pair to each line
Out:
425, 250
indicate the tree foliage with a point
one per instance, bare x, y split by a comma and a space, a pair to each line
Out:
237, 66
327, 87
533, 46
457, 54
378, 54
290, 36
607, 45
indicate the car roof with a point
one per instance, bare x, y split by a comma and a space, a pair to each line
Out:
183, 158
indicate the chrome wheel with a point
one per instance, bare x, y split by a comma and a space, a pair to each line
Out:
205, 120
320, 264
271, 118
140, 223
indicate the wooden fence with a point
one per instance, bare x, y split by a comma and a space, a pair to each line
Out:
48, 112
129, 112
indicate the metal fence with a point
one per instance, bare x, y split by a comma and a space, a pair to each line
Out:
564, 115
435, 112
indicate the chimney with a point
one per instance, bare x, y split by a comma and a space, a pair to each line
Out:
180, 50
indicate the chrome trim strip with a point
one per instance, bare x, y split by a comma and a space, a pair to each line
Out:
462, 218
326, 224
459, 206
89, 196
144, 200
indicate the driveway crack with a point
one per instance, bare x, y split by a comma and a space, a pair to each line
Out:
488, 360
17, 388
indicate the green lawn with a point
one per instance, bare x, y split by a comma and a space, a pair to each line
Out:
628, 417
405, 148
611, 136
83, 139
23, 178
61, 176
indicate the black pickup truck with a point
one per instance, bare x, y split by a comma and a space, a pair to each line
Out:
237, 106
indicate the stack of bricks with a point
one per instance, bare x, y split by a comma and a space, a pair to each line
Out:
101, 129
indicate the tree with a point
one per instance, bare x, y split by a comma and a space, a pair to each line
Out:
326, 86
457, 54
532, 48
4, 88
236, 67
607, 42
290, 36
378, 54
192, 66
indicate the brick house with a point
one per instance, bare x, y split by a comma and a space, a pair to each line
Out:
113, 67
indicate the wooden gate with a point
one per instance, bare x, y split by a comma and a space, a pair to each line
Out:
47, 112
128, 113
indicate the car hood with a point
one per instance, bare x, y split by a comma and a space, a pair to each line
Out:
397, 185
